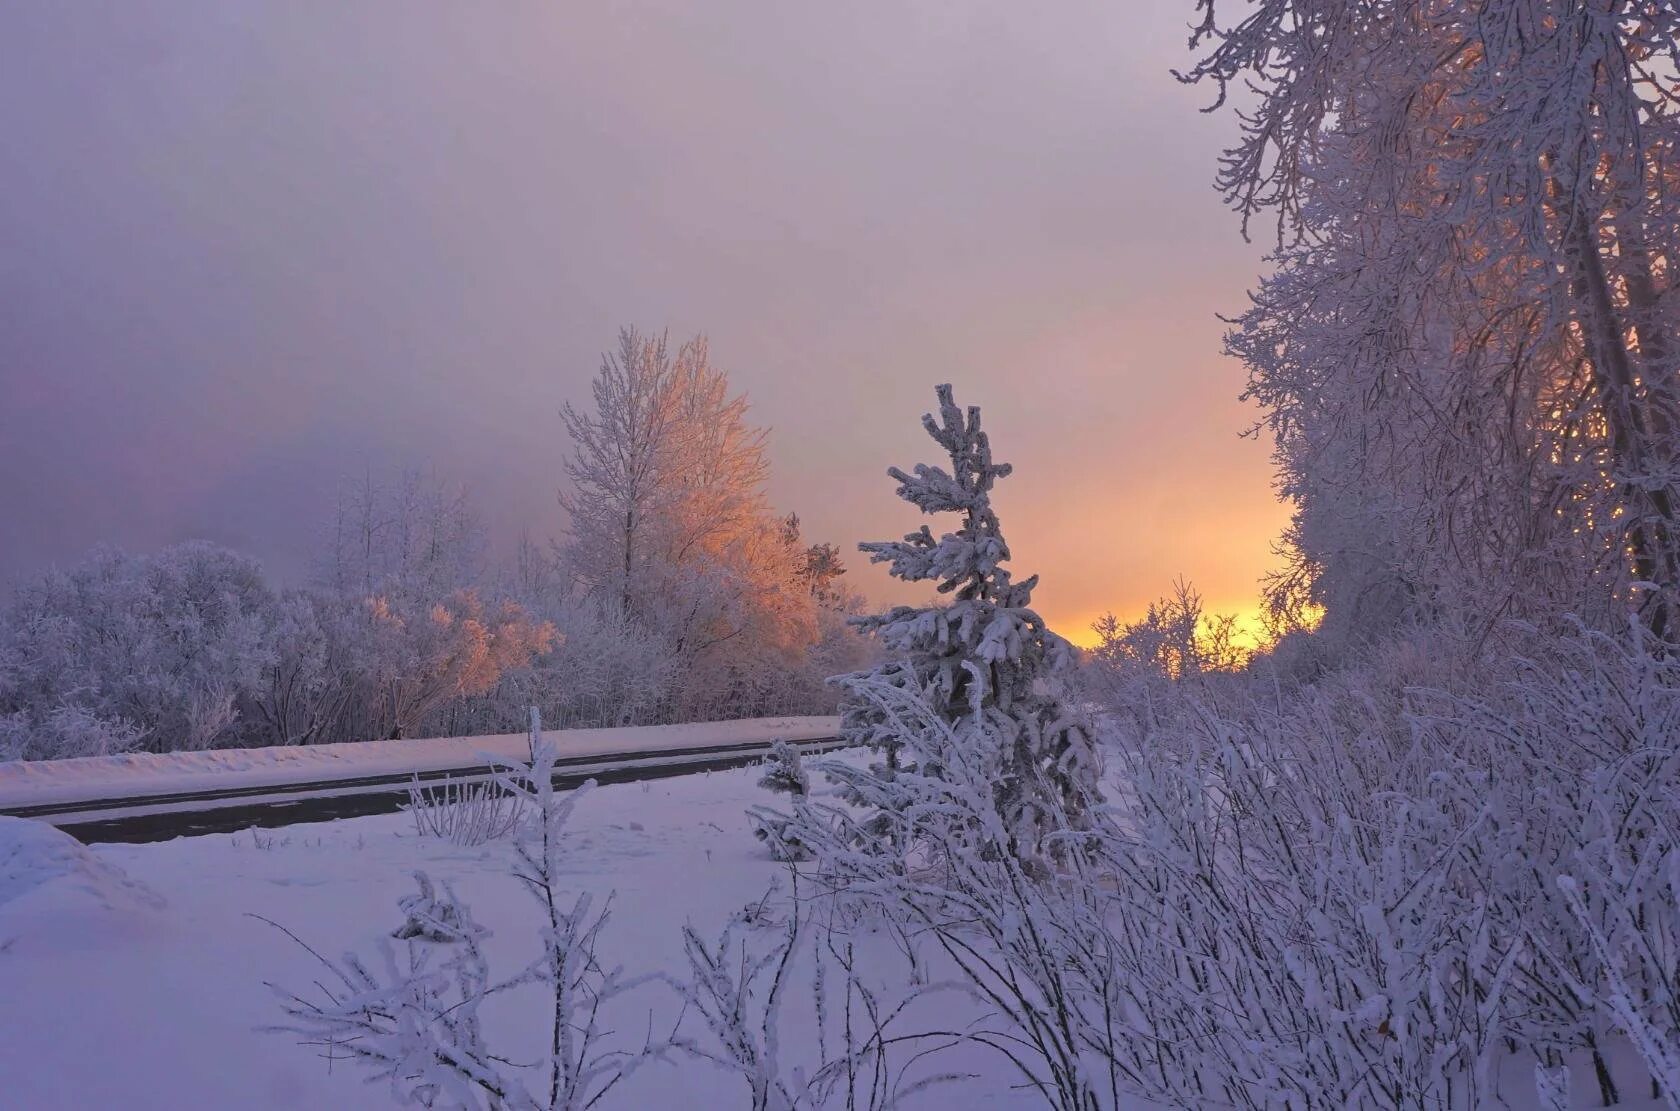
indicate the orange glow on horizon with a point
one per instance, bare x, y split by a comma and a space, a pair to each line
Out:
1250, 630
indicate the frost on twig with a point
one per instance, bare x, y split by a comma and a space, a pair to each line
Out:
410, 1013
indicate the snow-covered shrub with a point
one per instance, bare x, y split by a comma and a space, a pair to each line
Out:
434, 918
1030, 944
1589, 727
611, 669
313, 689
862, 1054
1175, 639
426, 653
1645, 1016
15, 736
738, 993
411, 1014
64, 732
124, 650
599, 670
1383, 847
1369, 890
784, 773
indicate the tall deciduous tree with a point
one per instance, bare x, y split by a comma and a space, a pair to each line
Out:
1467, 351
669, 520
626, 462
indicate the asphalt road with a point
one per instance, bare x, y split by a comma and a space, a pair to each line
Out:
160, 817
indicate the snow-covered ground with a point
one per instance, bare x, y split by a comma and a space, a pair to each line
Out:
132, 976
109, 998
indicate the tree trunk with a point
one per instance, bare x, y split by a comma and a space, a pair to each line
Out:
629, 551
1650, 507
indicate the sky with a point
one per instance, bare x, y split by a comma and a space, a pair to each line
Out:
249, 251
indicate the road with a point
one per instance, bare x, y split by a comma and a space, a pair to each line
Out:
161, 816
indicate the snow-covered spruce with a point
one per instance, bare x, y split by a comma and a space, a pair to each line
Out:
986, 661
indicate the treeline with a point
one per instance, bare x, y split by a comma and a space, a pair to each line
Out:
1429, 843
679, 594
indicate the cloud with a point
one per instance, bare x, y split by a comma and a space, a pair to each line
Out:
250, 248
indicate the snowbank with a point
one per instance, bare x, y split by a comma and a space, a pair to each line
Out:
57, 896
136, 775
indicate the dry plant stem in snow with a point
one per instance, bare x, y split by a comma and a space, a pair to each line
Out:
411, 1014
740, 991
463, 812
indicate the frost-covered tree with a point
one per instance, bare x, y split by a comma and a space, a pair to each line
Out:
128, 651
414, 536
783, 771
604, 671
312, 690
669, 523
985, 660
424, 656
399, 632
626, 462
1467, 349
1174, 639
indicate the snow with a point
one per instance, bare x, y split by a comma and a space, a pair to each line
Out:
157, 1002
37, 861
90, 778
161, 1012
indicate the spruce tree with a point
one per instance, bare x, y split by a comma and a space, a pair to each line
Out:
984, 660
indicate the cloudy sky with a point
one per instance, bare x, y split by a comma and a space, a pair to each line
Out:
249, 249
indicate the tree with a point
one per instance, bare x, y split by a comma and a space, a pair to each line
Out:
626, 461
1175, 639
820, 564
1466, 352
422, 657
985, 661
123, 651
784, 774
400, 634
313, 690
417, 536
669, 523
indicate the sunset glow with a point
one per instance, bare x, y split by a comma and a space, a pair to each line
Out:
539, 544
303, 292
